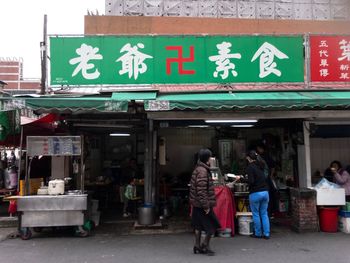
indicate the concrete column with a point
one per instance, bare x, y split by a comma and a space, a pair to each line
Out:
149, 164
304, 158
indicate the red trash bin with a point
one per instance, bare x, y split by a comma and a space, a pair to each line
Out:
328, 219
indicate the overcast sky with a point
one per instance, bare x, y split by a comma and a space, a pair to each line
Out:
21, 26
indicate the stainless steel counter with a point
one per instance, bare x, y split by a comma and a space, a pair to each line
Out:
243, 194
52, 210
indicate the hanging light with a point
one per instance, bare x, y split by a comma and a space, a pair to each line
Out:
231, 121
119, 134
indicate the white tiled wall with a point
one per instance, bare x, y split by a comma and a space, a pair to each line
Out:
261, 9
324, 151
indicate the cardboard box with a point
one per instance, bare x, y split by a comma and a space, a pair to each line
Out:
330, 196
34, 185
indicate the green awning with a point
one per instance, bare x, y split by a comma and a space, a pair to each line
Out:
75, 104
251, 100
128, 96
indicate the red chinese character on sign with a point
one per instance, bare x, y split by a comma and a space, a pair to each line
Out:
323, 43
324, 53
324, 63
324, 72
345, 47
344, 76
344, 67
330, 58
180, 60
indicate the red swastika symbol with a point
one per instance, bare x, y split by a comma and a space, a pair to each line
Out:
179, 60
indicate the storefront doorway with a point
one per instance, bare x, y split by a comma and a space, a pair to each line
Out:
229, 142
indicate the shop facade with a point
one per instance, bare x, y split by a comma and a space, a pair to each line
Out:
177, 113
168, 109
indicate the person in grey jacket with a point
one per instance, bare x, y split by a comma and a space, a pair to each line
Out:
202, 199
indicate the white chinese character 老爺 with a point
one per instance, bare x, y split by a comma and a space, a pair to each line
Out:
323, 43
324, 63
86, 53
267, 53
223, 62
345, 46
324, 72
324, 53
133, 60
344, 67
344, 75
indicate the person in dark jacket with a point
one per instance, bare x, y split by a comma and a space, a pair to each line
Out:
269, 171
202, 199
258, 195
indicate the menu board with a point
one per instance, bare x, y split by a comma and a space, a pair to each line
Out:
53, 145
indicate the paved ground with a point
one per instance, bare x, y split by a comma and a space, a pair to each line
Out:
107, 246
7, 232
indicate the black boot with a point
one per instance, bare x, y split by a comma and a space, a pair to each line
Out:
197, 242
206, 246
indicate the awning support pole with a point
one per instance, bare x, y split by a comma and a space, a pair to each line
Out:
305, 179
148, 162
20, 159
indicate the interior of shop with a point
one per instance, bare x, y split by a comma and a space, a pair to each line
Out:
114, 158
114, 153
229, 141
329, 141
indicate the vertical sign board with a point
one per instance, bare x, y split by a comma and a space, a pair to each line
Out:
118, 60
330, 58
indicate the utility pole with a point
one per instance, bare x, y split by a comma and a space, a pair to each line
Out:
43, 54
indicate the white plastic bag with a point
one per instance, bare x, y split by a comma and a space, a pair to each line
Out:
325, 184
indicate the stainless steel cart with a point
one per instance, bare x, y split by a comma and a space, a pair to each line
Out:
38, 211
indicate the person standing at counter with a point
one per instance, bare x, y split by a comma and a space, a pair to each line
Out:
342, 177
329, 172
202, 199
269, 171
258, 195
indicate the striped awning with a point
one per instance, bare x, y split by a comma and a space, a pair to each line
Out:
251, 100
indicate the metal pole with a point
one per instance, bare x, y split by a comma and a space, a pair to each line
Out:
148, 162
19, 75
82, 165
306, 182
43, 53
26, 180
20, 158
154, 169
307, 58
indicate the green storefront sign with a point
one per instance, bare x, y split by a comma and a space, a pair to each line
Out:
114, 60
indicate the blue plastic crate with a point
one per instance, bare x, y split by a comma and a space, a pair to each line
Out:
344, 213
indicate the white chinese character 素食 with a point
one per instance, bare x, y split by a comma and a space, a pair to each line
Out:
267, 53
223, 62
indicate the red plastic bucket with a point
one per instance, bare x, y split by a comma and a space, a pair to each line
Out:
328, 219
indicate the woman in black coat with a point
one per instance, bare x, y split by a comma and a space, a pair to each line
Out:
202, 199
